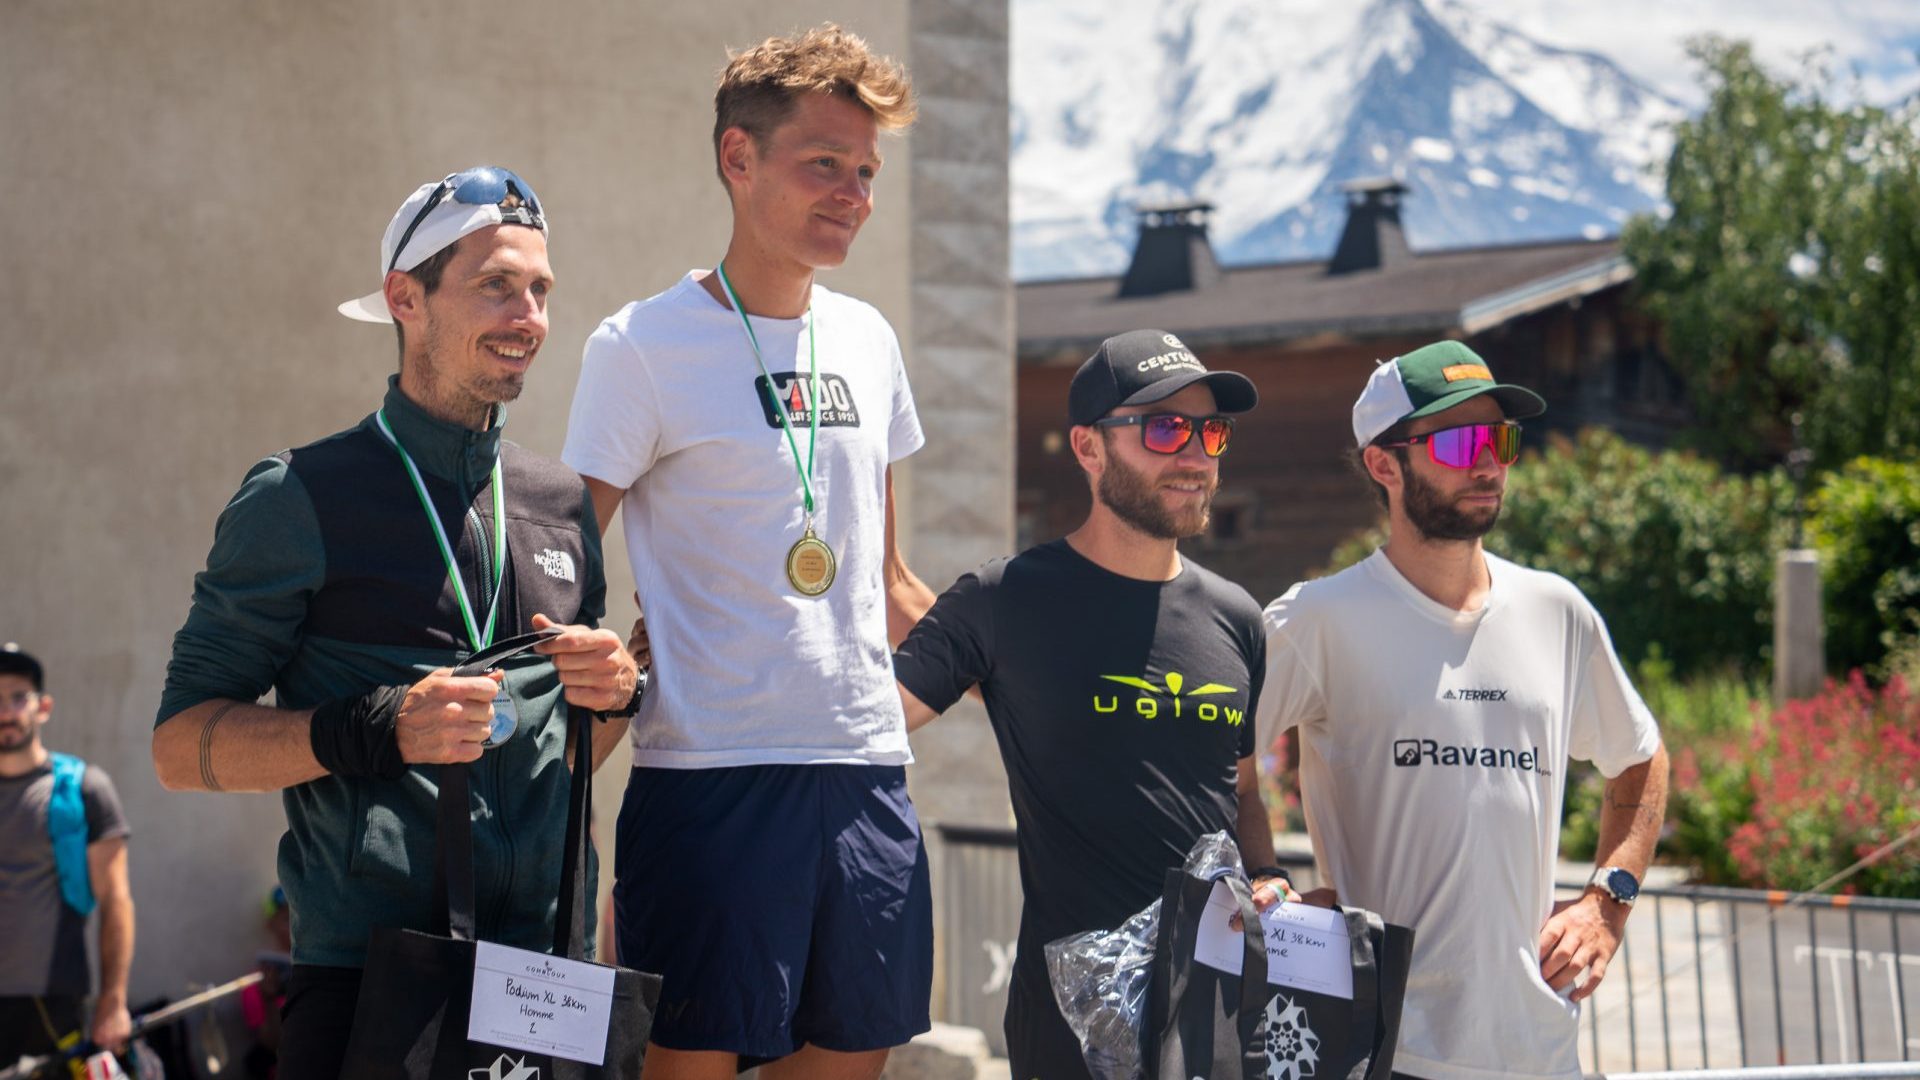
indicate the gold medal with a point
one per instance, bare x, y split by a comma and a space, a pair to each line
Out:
810, 564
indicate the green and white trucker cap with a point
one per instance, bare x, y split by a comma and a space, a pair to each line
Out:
1431, 379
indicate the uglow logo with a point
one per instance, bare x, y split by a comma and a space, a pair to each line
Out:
1409, 753
1157, 698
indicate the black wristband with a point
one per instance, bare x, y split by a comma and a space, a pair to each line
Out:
627, 711
1270, 872
355, 736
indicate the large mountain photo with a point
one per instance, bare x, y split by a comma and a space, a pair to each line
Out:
1265, 108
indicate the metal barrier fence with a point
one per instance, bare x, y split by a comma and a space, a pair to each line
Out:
1707, 978
1712, 978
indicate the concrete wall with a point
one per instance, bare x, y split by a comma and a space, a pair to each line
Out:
196, 184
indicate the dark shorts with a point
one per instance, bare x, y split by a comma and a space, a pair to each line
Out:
1039, 1042
35, 1025
315, 1021
781, 905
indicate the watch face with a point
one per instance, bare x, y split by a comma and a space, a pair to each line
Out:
1623, 886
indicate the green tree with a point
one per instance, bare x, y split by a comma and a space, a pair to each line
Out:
1787, 273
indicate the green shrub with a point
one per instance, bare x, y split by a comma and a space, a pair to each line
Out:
1865, 521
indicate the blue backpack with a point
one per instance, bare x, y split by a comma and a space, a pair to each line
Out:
67, 822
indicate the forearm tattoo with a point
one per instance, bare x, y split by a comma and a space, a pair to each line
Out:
207, 779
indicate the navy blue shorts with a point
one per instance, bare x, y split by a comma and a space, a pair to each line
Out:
781, 905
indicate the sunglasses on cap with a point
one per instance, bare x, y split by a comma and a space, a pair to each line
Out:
1169, 433
1459, 447
483, 186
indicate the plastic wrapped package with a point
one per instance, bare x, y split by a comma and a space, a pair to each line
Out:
1100, 977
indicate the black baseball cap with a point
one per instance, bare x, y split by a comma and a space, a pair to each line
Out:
1141, 367
16, 661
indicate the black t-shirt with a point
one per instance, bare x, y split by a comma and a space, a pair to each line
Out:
1122, 708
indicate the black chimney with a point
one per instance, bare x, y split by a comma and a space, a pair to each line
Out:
1172, 254
1373, 237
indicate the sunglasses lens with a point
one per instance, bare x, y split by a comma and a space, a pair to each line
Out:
1456, 447
492, 187
1459, 448
1506, 443
1214, 436
1165, 433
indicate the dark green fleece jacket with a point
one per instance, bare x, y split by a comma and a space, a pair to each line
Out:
325, 580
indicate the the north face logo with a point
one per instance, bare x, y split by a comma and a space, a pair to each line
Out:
557, 564
1293, 1050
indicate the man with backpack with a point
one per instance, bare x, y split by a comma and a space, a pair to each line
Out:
63, 855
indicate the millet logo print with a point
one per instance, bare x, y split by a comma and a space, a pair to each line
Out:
1153, 700
797, 400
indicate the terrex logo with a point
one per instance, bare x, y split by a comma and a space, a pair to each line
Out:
1409, 753
1152, 699
1474, 695
797, 399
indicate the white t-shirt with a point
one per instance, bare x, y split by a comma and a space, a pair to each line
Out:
672, 407
1433, 757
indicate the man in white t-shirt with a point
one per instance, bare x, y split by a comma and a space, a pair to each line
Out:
1439, 692
743, 424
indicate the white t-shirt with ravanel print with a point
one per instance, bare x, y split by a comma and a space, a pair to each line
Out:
1433, 753
672, 408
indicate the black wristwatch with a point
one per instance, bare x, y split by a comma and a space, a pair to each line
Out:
1270, 872
1617, 883
627, 711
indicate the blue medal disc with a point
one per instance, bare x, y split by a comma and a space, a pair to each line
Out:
506, 719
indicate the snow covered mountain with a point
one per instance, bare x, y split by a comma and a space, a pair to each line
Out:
1264, 107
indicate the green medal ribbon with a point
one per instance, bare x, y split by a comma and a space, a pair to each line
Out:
813, 393
481, 637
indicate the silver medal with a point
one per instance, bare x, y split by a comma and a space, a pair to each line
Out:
506, 719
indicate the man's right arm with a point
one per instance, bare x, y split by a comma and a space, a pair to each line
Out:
947, 653
606, 501
225, 745
244, 626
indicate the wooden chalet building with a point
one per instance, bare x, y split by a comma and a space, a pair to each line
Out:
1553, 316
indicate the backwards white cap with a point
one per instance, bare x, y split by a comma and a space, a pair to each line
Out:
498, 197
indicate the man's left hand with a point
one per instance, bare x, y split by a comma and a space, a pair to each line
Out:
594, 665
1581, 934
112, 1025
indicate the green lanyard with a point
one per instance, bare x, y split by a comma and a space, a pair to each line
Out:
481, 638
813, 391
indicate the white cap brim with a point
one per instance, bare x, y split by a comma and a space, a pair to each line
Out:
369, 308
443, 226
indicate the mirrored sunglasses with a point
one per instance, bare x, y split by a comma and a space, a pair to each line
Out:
1169, 433
484, 186
1459, 447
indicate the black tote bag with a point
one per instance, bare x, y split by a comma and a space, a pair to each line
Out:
410, 1022
1207, 1024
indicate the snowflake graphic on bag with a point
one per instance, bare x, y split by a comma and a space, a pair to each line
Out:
1293, 1050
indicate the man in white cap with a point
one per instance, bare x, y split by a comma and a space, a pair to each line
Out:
350, 576
1439, 692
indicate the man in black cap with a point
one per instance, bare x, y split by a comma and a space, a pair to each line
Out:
63, 853
1120, 678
